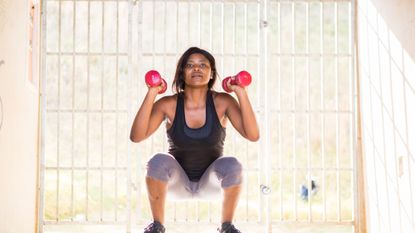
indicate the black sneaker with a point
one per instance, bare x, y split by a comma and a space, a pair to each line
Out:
228, 227
155, 227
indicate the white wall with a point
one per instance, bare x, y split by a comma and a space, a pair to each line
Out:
18, 133
387, 79
400, 18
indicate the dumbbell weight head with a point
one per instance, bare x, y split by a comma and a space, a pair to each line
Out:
153, 78
242, 79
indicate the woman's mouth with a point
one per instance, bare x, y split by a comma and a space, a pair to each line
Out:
197, 75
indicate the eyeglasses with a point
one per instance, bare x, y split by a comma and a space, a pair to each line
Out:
191, 66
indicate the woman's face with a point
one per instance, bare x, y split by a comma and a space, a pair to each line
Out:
197, 71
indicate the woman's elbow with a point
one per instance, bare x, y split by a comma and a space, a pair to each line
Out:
135, 139
254, 138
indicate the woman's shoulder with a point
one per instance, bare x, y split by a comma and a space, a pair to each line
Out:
167, 103
221, 97
168, 100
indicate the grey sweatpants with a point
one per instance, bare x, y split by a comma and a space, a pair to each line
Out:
223, 173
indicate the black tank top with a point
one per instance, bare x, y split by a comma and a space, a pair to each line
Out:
196, 149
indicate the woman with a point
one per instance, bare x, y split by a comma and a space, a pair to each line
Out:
196, 119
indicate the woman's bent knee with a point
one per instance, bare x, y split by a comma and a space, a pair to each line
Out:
159, 166
230, 171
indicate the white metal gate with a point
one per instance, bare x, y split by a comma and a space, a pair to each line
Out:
300, 55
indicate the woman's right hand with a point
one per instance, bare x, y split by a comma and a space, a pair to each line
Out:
160, 89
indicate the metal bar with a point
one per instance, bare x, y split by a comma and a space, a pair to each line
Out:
68, 168
312, 55
311, 169
188, 41
258, 41
221, 55
336, 73
177, 33
86, 0
189, 224
153, 55
294, 125
245, 169
355, 123
188, 22
101, 198
164, 55
116, 115
83, 223
322, 116
251, 1
131, 115
58, 113
321, 224
223, 34
87, 119
257, 110
107, 54
279, 115
309, 184
200, 22
42, 110
176, 55
261, 101
245, 65
211, 24
51, 110
247, 54
224, 54
260, 145
133, 0
233, 66
267, 163
73, 106
305, 112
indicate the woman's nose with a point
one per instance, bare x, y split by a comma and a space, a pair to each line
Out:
196, 67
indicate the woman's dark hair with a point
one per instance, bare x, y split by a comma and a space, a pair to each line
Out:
178, 82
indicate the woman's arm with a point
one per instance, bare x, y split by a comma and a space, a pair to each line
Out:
149, 116
241, 114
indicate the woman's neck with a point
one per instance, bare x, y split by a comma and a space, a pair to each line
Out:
195, 97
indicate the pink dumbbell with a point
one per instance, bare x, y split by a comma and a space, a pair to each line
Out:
242, 79
154, 79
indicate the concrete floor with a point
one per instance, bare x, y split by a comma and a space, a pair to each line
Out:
204, 228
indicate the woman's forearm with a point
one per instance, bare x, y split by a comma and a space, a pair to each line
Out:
141, 122
248, 116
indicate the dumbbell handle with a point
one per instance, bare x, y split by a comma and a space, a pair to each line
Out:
154, 79
242, 79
